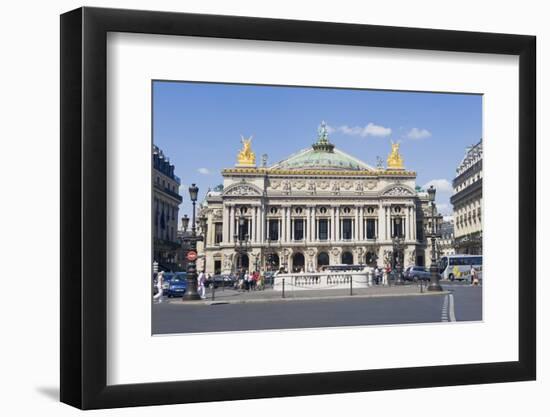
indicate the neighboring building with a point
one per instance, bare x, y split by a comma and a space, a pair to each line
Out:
166, 201
318, 207
467, 202
446, 240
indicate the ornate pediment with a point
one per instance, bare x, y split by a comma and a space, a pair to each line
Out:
243, 189
399, 191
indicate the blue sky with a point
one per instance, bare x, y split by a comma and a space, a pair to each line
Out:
199, 127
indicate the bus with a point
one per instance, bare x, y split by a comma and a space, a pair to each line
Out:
458, 267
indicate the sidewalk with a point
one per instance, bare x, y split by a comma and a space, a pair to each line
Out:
231, 296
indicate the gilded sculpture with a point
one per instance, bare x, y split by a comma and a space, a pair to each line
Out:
395, 161
246, 157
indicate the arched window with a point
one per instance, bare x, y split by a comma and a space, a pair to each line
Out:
347, 258
322, 259
298, 262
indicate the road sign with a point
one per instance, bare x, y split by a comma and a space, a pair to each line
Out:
191, 256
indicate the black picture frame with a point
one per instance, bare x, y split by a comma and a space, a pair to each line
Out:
84, 207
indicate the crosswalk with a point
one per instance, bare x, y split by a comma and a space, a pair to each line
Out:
448, 309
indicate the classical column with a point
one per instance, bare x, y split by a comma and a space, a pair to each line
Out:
409, 218
414, 222
313, 225
337, 225
225, 224
283, 224
307, 226
382, 222
260, 223
231, 223
254, 223
289, 223
356, 235
361, 224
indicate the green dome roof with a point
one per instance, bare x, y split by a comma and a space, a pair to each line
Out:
315, 159
322, 155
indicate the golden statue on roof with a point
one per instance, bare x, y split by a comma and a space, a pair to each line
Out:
246, 157
394, 161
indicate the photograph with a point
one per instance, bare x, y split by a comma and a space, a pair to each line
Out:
289, 207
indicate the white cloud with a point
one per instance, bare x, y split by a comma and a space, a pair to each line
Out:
416, 133
363, 131
203, 171
440, 185
444, 208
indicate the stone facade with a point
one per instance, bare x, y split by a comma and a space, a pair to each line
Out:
317, 207
446, 240
166, 201
467, 202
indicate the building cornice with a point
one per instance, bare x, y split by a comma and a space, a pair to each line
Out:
318, 173
467, 192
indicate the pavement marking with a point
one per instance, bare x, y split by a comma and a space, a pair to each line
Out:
452, 307
444, 308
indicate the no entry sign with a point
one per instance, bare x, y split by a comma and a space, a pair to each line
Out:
191, 256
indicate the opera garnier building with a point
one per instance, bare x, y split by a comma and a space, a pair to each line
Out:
318, 207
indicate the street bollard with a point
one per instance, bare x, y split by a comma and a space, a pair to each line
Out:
283, 288
421, 288
350, 285
213, 291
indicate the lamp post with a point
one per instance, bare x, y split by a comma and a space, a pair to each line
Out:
191, 292
241, 241
397, 242
434, 272
398, 246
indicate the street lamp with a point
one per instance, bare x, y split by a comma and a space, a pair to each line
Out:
398, 244
241, 242
191, 292
434, 272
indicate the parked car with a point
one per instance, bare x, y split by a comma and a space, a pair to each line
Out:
174, 284
220, 281
417, 273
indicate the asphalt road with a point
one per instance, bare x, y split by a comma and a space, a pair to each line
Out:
180, 318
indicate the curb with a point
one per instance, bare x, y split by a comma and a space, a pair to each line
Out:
283, 300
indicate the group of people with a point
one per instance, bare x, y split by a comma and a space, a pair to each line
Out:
250, 281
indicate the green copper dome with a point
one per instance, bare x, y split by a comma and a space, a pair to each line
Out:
322, 155
314, 159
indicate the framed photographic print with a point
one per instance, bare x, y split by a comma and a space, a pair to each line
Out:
314, 207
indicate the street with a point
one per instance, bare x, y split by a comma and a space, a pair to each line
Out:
462, 304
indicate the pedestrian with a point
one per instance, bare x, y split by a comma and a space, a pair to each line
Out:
249, 280
241, 284
160, 281
201, 281
261, 280
474, 277
254, 280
